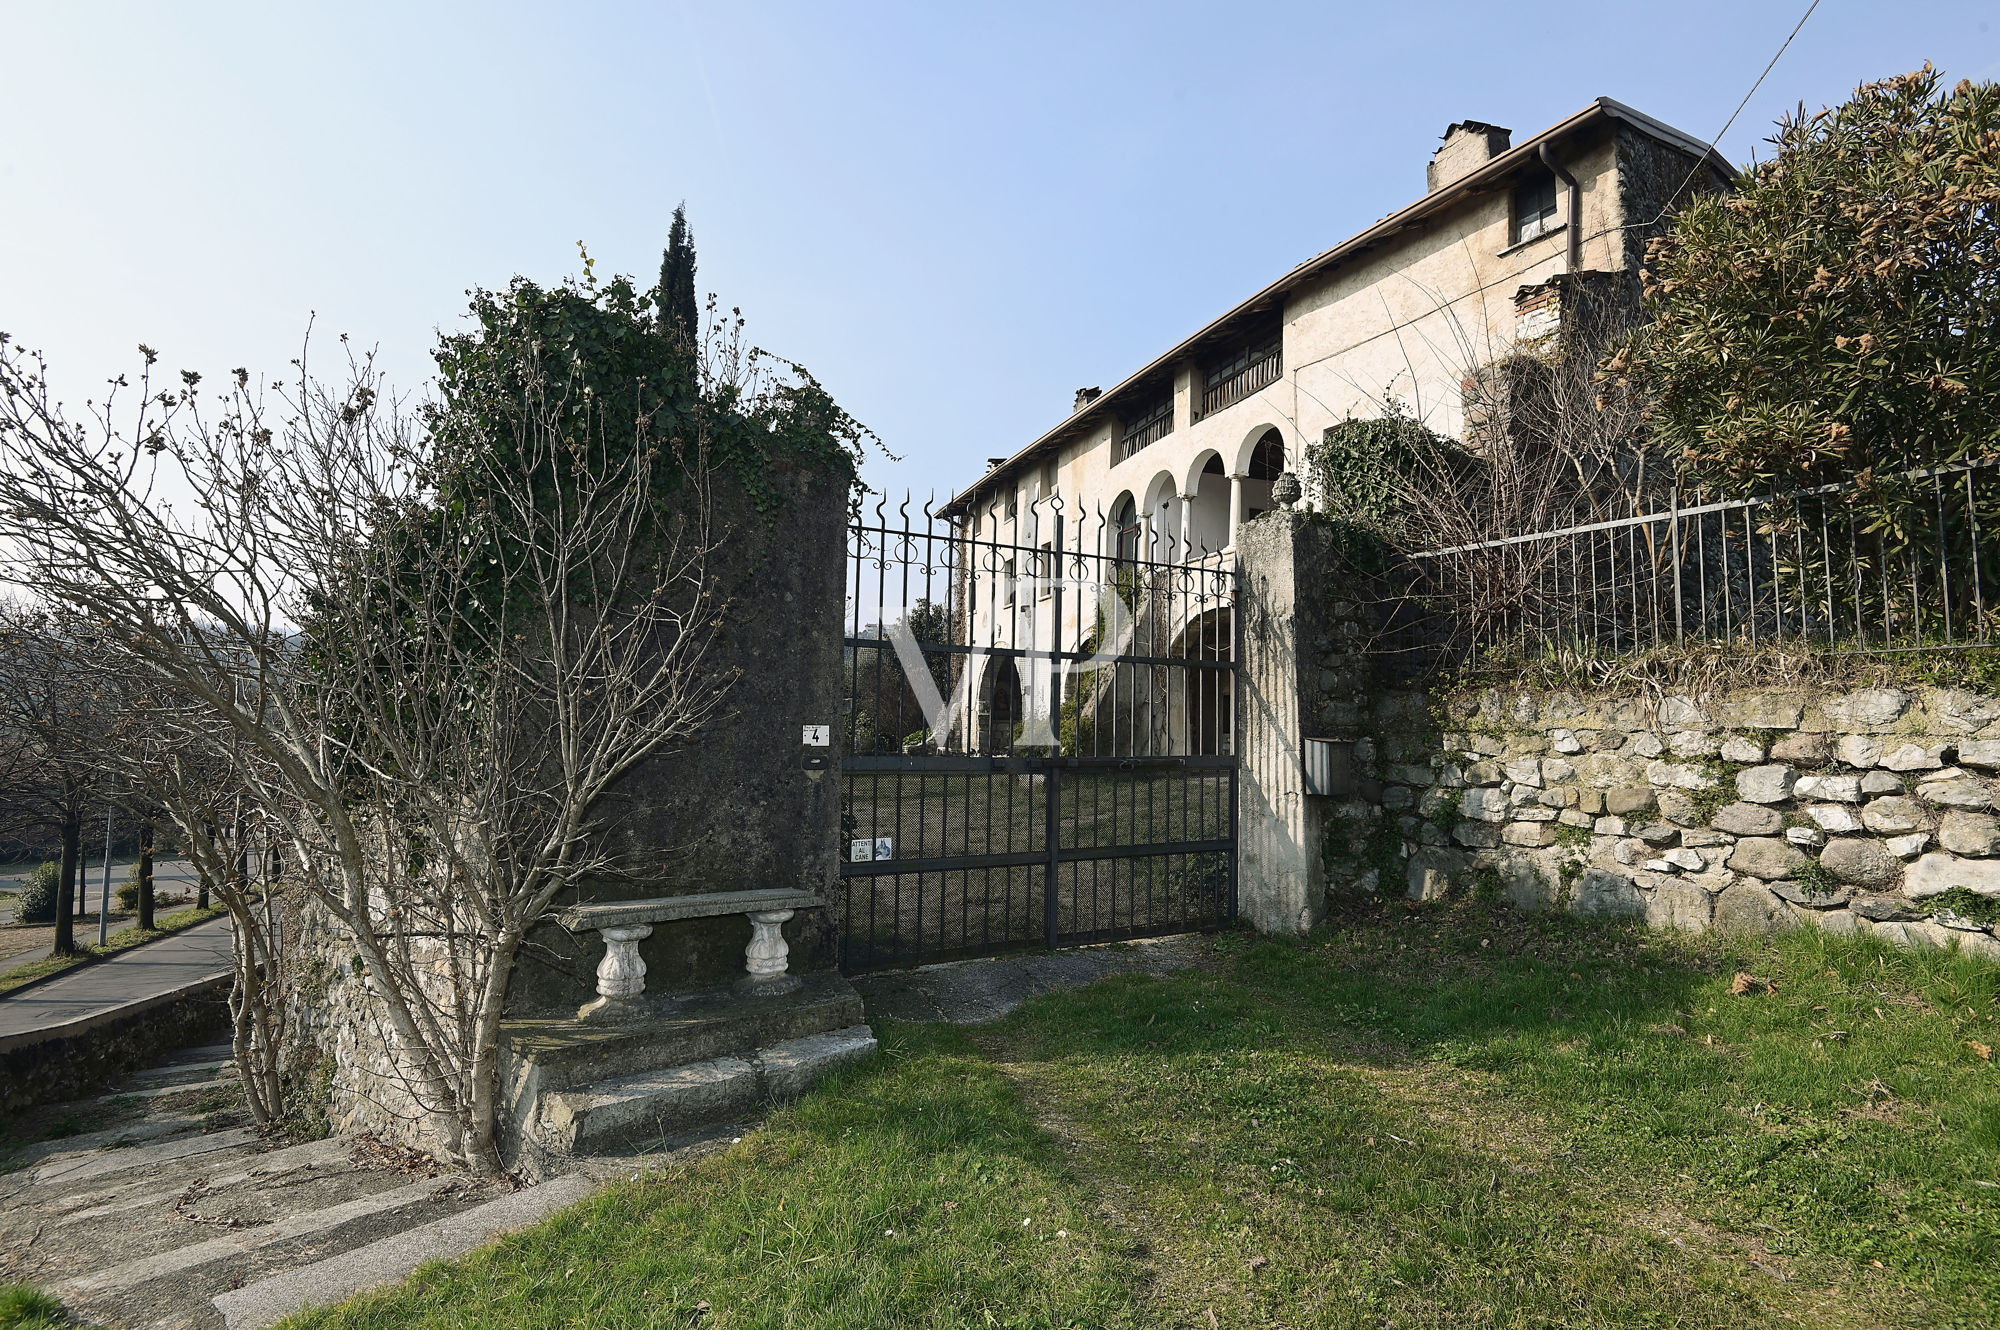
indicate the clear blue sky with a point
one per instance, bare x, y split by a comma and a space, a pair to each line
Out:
954, 214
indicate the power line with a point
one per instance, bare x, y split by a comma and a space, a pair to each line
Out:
1669, 202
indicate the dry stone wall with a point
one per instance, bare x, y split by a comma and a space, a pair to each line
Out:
1867, 811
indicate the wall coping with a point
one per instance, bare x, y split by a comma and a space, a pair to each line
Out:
112, 1015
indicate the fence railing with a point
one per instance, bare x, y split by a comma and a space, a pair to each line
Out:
1912, 563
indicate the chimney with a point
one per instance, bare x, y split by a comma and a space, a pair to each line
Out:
1468, 145
1084, 397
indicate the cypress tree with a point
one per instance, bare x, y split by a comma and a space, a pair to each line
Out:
679, 313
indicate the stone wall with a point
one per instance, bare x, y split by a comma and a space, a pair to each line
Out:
737, 808
82, 1056
1856, 811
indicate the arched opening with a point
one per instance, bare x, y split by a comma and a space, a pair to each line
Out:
1267, 459
1163, 505
1000, 707
1125, 529
1267, 463
1208, 706
1208, 510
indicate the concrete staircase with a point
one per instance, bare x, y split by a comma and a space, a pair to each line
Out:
177, 1213
573, 1090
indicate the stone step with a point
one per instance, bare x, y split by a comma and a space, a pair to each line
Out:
545, 1056
244, 1166
655, 1105
129, 1133
390, 1259
97, 1163
224, 1082
145, 1269
182, 1069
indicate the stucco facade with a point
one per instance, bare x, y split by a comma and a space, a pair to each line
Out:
1167, 465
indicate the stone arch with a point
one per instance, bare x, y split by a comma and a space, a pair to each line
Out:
1201, 711
1246, 451
1122, 534
1000, 708
1199, 465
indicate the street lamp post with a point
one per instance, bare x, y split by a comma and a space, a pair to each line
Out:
104, 887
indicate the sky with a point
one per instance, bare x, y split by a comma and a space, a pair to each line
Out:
955, 215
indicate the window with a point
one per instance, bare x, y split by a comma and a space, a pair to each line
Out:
1007, 583
1045, 568
1049, 477
1013, 503
1534, 207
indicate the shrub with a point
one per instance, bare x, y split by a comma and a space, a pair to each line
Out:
128, 891
37, 902
1835, 316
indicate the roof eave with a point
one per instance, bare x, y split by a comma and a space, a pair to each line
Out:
1603, 108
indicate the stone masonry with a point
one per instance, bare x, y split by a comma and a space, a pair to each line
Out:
1856, 811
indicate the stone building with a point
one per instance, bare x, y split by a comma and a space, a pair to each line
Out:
1167, 464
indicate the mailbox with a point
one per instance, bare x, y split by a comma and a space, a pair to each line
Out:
1329, 765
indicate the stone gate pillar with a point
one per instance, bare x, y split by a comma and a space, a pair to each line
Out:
1281, 880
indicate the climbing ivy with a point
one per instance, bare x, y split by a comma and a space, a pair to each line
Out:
1360, 466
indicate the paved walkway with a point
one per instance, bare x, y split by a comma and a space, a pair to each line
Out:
158, 967
974, 992
174, 881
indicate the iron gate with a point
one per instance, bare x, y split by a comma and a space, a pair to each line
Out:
1040, 745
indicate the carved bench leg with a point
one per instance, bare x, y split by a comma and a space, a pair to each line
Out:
768, 956
621, 975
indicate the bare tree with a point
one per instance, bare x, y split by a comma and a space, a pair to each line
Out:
161, 765
52, 727
426, 663
1550, 442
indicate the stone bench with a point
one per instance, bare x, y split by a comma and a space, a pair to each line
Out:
621, 975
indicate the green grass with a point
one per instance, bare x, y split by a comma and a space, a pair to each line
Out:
123, 940
895, 1196
1427, 1116
23, 1307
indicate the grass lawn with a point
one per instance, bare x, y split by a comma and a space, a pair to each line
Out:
123, 940
25, 1308
1422, 1116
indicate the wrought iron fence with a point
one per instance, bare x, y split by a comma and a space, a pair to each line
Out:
1912, 562
1040, 738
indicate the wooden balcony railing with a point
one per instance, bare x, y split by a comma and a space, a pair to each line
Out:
1149, 428
1253, 368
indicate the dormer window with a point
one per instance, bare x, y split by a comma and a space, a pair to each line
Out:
1534, 207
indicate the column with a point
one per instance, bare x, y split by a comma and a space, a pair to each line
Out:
1235, 507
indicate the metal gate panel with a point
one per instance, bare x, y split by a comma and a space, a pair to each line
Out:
1040, 735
